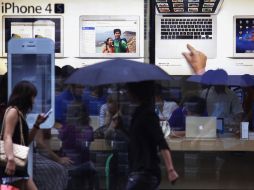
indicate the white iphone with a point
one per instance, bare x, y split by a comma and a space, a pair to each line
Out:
32, 59
48, 113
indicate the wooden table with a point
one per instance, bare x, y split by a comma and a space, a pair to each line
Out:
185, 144
218, 144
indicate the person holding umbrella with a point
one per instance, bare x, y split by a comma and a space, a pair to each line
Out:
145, 134
145, 137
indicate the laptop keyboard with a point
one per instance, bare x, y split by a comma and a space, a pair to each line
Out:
186, 28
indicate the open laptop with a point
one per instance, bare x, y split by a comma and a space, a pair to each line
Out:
200, 127
179, 22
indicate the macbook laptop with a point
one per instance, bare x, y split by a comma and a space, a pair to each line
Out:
200, 127
179, 22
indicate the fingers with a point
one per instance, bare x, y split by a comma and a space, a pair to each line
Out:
174, 181
70, 161
192, 49
174, 178
9, 172
187, 57
67, 161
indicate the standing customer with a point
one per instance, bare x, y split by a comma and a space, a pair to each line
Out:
20, 103
145, 137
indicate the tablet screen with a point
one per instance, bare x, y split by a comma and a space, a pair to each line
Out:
244, 39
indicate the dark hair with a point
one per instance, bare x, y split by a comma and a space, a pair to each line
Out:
3, 89
21, 96
158, 90
67, 70
142, 91
117, 30
106, 42
58, 71
195, 104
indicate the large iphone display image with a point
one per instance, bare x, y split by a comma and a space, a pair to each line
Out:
33, 60
109, 36
33, 27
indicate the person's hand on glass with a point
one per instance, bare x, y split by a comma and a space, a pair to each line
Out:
196, 59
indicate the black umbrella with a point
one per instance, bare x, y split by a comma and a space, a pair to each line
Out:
245, 80
117, 71
211, 77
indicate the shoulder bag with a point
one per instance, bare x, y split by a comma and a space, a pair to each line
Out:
20, 151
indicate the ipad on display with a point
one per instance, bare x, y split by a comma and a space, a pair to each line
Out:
244, 36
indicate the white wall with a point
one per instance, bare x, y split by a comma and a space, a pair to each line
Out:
224, 43
75, 8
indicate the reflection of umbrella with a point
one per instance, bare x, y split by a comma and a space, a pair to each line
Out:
215, 77
117, 71
220, 77
241, 80
211, 77
194, 78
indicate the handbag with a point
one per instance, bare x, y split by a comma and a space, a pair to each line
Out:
20, 151
8, 187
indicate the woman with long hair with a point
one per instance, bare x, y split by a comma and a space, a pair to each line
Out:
19, 105
109, 46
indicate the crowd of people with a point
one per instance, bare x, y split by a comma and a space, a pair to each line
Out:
74, 106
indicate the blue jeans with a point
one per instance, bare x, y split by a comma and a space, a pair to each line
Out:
142, 181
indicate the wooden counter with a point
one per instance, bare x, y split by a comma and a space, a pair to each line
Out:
184, 144
218, 144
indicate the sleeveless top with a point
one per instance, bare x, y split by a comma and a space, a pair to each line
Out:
16, 135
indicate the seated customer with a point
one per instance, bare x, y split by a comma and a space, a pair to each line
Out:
191, 105
163, 108
224, 103
50, 170
110, 116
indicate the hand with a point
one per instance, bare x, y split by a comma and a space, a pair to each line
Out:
196, 59
10, 167
40, 119
65, 161
172, 176
116, 121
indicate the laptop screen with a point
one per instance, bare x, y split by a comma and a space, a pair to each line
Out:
187, 6
97, 36
200, 127
244, 35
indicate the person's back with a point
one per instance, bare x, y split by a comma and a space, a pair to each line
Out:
93, 99
223, 102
